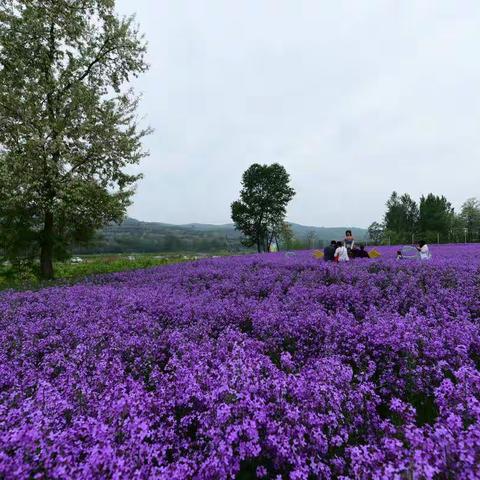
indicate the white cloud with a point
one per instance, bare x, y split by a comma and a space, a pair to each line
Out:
355, 99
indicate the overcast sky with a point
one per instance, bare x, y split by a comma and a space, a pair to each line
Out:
354, 98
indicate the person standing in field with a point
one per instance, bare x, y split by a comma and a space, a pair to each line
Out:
341, 253
424, 251
329, 251
349, 241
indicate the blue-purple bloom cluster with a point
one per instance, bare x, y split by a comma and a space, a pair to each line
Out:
273, 366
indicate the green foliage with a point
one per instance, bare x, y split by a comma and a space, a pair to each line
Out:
286, 237
469, 220
260, 212
435, 218
14, 277
376, 232
393, 219
401, 218
133, 236
404, 221
67, 129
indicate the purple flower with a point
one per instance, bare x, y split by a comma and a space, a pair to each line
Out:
264, 366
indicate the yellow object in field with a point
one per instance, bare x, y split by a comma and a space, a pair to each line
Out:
318, 254
374, 253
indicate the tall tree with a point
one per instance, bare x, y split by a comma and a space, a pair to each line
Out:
376, 233
470, 218
67, 128
411, 216
435, 217
392, 217
401, 217
260, 212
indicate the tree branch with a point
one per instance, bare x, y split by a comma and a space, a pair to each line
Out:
99, 57
75, 167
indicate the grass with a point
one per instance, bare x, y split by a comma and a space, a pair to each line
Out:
71, 272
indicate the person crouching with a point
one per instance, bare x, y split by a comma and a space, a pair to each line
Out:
341, 253
360, 252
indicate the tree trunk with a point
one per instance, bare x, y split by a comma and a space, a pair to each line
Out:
258, 239
46, 248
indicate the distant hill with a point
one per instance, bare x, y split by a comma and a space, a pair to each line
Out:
327, 233
136, 236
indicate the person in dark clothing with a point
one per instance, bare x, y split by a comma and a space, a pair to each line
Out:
329, 251
361, 252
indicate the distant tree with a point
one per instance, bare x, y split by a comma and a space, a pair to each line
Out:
411, 216
376, 233
286, 236
436, 216
172, 243
260, 212
393, 219
311, 239
67, 129
470, 219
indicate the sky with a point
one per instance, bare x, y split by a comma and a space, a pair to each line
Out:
355, 99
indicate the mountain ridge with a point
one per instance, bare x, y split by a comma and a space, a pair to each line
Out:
231, 225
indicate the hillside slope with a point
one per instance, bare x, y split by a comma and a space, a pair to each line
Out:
136, 236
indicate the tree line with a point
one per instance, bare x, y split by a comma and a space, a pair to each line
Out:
169, 243
432, 219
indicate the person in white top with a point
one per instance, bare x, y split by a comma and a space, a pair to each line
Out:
423, 250
341, 253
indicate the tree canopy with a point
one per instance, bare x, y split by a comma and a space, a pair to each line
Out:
401, 218
435, 217
431, 219
376, 233
469, 219
67, 127
260, 212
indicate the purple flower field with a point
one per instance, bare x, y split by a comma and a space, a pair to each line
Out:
273, 366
